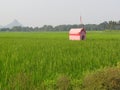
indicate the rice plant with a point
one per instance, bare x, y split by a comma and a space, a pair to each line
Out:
34, 61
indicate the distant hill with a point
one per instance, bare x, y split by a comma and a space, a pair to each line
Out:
1, 26
13, 24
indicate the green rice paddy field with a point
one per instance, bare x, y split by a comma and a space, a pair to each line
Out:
35, 60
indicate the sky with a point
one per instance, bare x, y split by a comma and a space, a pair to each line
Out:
36, 13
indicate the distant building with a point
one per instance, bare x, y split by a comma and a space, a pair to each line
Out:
77, 34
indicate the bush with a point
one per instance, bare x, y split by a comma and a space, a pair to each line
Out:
105, 79
63, 83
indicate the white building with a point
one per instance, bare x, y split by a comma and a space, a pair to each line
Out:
77, 34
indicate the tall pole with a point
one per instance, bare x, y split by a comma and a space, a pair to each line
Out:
81, 22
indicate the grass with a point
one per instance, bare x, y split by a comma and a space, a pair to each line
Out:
34, 61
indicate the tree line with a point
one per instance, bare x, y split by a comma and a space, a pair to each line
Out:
110, 25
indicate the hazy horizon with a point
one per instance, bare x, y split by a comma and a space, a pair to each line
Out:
52, 12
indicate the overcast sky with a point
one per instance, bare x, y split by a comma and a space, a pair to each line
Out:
56, 12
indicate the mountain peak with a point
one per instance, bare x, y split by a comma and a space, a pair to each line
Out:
13, 24
1, 26
15, 20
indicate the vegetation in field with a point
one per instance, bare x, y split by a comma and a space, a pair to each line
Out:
48, 61
109, 26
105, 79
